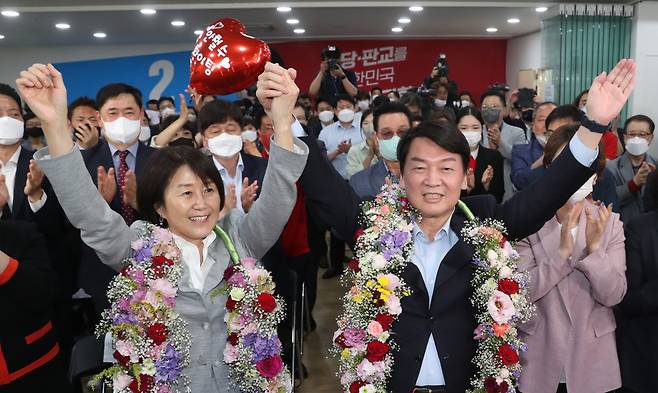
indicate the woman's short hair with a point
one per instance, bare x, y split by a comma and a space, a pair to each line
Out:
160, 169
561, 137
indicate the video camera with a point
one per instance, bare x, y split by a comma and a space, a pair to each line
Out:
332, 54
442, 65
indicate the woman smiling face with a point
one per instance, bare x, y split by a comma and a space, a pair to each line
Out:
191, 206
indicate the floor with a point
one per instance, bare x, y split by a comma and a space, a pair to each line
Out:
321, 365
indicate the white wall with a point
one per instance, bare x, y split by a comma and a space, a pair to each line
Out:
16, 59
645, 52
522, 53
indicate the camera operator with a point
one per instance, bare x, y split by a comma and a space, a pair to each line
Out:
332, 80
440, 74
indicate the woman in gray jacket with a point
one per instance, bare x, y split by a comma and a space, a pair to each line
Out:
182, 192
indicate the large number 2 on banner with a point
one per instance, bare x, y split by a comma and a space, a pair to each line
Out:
167, 68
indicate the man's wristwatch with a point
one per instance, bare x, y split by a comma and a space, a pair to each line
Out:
593, 126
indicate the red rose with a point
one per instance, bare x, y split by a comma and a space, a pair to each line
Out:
145, 384
123, 360
266, 302
354, 265
508, 355
376, 351
386, 320
233, 339
158, 263
229, 272
157, 332
270, 367
358, 233
355, 386
492, 386
502, 242
124, 271
404, 201
340, 341
507, 286
230, 304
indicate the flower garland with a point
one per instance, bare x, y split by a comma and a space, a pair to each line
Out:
501, 302
363, 340
253, 349
151, 340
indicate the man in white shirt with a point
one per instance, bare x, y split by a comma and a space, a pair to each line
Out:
339, 137
16, 186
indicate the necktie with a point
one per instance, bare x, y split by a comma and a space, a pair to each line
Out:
127, 211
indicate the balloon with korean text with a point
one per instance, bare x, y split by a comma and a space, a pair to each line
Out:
225, 59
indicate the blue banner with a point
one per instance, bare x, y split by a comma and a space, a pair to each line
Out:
163, 74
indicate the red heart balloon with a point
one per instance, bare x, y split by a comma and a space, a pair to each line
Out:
225, 59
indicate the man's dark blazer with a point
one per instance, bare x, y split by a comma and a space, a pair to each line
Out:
637, 314
94, 276
450, 319
28, 343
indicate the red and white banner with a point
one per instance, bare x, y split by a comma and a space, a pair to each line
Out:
399, 64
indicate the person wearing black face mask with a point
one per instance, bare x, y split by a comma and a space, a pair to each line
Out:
176, 130
34, 139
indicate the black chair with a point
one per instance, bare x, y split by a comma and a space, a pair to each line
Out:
86, 361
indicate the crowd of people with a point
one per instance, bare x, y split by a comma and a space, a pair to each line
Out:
282, 172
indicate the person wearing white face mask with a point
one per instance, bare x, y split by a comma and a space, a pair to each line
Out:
632, 168
485, 175
242, 174
166, 106
20, 194
577, 264
115, 164
366, 153
528, 156
339, 137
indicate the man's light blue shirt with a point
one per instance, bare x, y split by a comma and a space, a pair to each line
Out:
333, 134
428, 255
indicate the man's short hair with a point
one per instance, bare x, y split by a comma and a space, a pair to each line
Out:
387, 109
10, 92
80, 102
543, 104
218, 111
641, 118
329, 100
493, 93
114, 90
443, 134
345, 97
570, 112
166, 98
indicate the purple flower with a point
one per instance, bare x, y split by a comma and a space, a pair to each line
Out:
143, 254
238, 280
250, 339
354, 337
169, 365
123, 318
480, 332
265, 347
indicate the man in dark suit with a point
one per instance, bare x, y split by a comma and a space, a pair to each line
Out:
390, 120
638, 312
114, 164
435, 330
29, 352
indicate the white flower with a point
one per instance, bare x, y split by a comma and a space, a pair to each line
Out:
393, 303
384, 337
500, 307
379, 262
120, 381
505, 272
237, 294
504, 373
492, 257
491, 284
369, 388
148, 367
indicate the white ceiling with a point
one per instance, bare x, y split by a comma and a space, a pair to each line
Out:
124, 24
